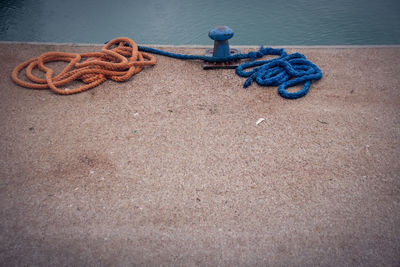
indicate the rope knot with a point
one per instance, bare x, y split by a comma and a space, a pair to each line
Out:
252, 55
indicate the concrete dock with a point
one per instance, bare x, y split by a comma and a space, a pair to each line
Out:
170, 168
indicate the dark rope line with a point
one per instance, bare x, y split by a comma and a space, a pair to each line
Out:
284, 71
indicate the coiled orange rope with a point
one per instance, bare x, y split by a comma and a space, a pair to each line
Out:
117, 63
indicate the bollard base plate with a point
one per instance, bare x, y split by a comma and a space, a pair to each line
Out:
221, 65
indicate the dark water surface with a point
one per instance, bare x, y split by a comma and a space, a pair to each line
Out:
179, 22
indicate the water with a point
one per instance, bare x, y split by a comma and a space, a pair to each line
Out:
183, 22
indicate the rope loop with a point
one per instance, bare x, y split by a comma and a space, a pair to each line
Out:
118, 60
285, 71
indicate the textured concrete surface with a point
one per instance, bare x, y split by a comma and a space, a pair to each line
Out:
171, 169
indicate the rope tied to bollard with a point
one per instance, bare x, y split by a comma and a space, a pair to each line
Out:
120, 58
285, 71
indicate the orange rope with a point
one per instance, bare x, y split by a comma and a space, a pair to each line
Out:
118, 64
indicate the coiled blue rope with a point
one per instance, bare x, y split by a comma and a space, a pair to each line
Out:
284, 71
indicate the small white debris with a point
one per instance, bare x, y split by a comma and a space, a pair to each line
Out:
136, 114
91, 172
260, 120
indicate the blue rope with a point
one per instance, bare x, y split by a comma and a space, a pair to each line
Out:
252, 55
284, 71
192, 57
